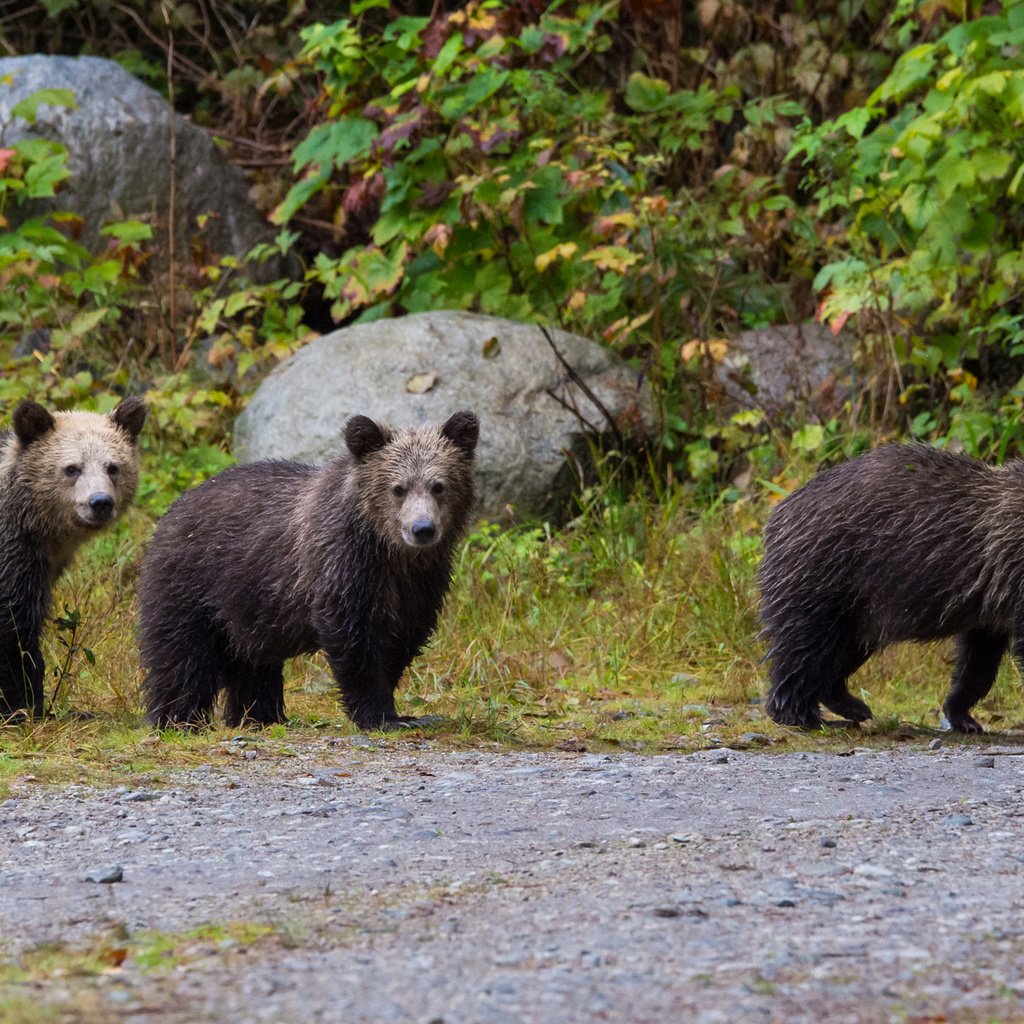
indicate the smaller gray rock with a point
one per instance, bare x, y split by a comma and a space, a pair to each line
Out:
780, 368
828, 843
935, 744
118, 141
106, 876
985, 761
757, 739
957, 820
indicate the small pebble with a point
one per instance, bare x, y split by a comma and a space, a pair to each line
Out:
872, 871
666, 911
785, 903
828, 844
636, 842
957, 820
757, 738
935, 744
985, 761
106, 875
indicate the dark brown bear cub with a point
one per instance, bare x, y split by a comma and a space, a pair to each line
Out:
64, 476
904, 543
274, 559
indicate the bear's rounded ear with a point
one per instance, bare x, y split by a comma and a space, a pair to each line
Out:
463, 430
363, 437
129, 416
31, 421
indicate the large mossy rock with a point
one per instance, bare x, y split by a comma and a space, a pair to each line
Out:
418, 369
119, 146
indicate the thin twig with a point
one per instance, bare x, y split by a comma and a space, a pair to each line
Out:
170, 357
585, 388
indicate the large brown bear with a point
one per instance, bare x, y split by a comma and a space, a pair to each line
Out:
905, 542
274, 559
63, 477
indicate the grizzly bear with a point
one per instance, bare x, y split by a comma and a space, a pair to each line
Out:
906, 542
64, 476
273, 559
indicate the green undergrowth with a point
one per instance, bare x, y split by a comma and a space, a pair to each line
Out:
633, 627
57, 982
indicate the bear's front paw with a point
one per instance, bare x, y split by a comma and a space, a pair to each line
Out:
960, 722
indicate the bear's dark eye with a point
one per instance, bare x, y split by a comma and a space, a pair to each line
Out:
113, 470
437, 489
72, 471
398, 491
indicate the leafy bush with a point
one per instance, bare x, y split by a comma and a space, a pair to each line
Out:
491, 169
922, 185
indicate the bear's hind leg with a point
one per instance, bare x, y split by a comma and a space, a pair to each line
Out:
183, 671
838, 699
811, 668
21, 680
978, 653
253, 695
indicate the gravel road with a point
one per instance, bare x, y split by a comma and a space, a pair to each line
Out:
406, 883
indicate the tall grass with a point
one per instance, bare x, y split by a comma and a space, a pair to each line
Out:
633, 626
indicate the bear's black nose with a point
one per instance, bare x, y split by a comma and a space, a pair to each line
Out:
102, 505
423, 530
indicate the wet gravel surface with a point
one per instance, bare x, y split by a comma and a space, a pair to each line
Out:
421, 885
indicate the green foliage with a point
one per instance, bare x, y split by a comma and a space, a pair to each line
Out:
925, 180
499, 176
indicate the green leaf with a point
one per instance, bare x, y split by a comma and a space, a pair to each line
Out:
42, 178
336, 143
446, 57
84, 322
468, 97
991, 163
128, 231
28, 108
647, 95
809, 438
299, 194
912, 70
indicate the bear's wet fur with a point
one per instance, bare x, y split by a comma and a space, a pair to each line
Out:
274, 559
906, 542
64, 476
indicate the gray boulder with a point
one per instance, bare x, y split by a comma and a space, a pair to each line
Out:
118, 141
418, 369
779, 369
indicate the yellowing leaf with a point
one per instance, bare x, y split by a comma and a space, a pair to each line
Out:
420, 383
612, 257
716, 348
438, 236
563, 251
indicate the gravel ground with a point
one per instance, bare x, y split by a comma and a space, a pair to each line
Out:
427, 886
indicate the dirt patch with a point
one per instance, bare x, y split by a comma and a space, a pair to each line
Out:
352, 883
